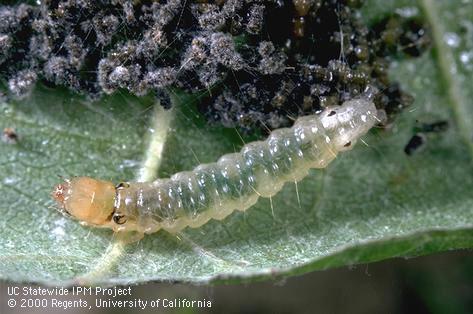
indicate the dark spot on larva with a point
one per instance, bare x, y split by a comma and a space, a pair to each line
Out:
331, 113
119, 219
414, 143
9, 136
347, 144
122, 185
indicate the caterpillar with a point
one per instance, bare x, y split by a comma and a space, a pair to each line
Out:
215, 190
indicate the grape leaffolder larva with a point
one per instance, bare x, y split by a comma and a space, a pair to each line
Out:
215, 190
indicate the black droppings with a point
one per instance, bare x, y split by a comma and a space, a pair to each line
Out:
434, 127
256, 62
415, 143
424, 131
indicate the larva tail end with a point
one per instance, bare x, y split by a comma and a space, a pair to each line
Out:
345, 124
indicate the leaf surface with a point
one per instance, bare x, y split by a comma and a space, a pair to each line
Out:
372, 203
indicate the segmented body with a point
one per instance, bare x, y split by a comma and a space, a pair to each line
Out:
234, 182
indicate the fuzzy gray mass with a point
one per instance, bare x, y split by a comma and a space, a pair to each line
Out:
256, 64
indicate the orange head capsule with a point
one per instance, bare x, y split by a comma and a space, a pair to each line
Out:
86, 199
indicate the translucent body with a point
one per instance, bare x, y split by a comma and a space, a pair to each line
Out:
235, 181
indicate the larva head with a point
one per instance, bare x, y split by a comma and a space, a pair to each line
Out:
87, 199
346, 123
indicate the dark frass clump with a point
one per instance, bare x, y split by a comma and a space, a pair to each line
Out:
256, 64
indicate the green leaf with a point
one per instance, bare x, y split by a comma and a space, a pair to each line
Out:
372, 203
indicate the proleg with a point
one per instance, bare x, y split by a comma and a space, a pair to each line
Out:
215, 190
